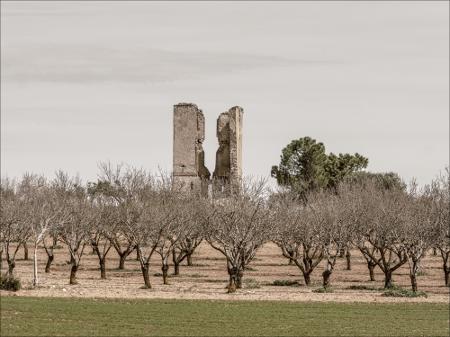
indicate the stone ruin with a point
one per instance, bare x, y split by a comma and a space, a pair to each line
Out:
189, 170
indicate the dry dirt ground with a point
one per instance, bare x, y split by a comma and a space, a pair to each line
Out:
207, 279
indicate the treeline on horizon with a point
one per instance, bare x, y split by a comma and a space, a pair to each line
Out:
129, 209
326, 206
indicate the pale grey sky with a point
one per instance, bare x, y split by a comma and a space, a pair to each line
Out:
87, 82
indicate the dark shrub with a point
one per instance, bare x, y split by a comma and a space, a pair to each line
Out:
398, 292
10, 283
285, 283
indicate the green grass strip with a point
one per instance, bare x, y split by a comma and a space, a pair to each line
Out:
24, 316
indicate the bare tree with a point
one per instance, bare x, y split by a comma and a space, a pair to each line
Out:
110, 187
101, 229
146, 238
185, 247
13, 228
237, 227
121, 244
386, 214
440, 194
147, 232
329, 215
40, 211
170, 215
356, 206
141, 210
176, 222
191, 236
60, 187
286, 212
74, 231
105, 226
172, 230
415, 233
52, 237
298, 234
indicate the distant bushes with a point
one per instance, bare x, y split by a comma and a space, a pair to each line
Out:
285, 283
10, 283
251, 283
363, 287
400, 292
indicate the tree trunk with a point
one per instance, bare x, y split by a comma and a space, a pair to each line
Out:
73, 274
176, 268
371, 267
49, 262
189, 260
145, 273
232, 285
348, 256
101, 259
291, 262
342, 252
11, 266
165, 269
307, 277
1, 260
25, 252
239, 276
447, 275
35, 271
388, 280
326, 278
413, 282
413, 269
233, 278
176, 262
102, 268
122, 259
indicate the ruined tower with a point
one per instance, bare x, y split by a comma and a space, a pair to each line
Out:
228, 171
189, 169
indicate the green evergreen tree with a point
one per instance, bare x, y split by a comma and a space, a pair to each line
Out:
304, 166
384, 180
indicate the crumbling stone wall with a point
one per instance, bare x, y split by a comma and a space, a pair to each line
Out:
228, 171
189, 169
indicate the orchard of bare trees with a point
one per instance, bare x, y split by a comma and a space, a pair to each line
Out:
128, 210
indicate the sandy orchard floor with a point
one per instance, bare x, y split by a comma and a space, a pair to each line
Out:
207, 279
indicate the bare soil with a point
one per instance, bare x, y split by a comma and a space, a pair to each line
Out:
207, 279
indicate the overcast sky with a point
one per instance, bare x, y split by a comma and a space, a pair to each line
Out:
87, 82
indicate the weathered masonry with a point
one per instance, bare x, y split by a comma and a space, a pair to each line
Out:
189, 169
228, 171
